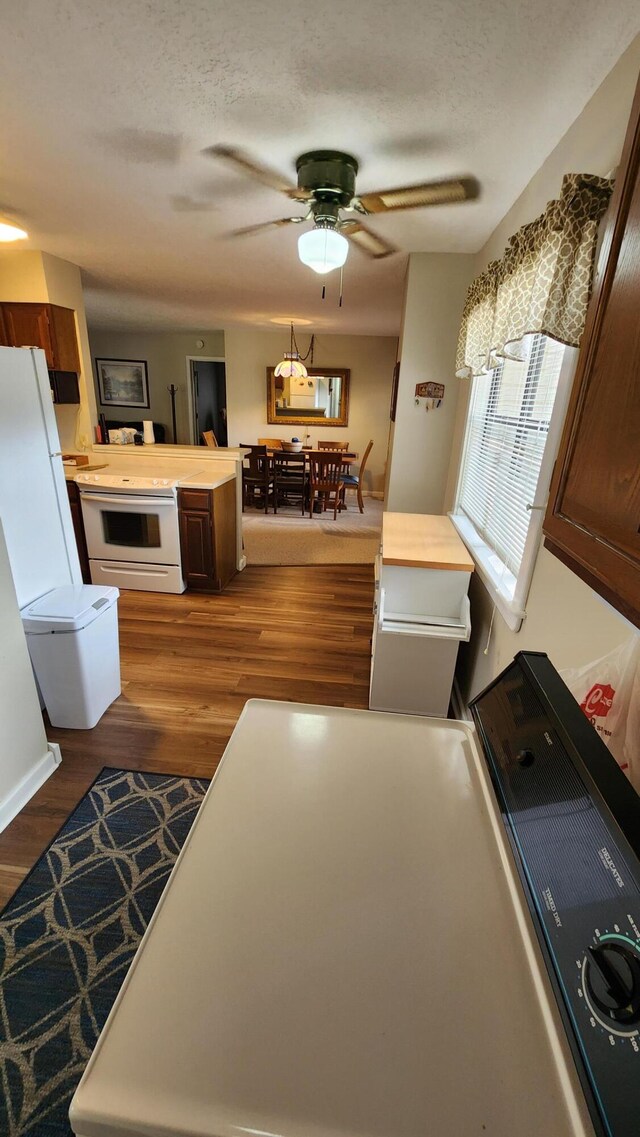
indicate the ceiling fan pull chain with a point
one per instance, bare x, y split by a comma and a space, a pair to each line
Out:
341, 283
324, 291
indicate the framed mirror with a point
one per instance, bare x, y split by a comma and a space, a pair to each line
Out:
321, 398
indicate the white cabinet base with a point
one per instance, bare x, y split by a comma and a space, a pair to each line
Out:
412, 674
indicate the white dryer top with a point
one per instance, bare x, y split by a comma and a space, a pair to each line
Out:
342, 949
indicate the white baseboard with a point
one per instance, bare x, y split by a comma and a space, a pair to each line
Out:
27, 786
242, 563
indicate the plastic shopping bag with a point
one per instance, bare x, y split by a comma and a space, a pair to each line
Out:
608, 692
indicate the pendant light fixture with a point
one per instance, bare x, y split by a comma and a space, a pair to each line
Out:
292, 364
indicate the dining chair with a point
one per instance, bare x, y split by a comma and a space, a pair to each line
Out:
257, 476
271, 443
325, 479
354, 481
333, 446
209, 438
291, 479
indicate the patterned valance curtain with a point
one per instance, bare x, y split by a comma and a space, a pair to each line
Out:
542, 284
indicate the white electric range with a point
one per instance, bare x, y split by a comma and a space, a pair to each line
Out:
131, 528
388, 926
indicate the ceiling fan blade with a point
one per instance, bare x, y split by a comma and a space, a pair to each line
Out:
249, 230
256, 170
445, 192
182, 203
367, 240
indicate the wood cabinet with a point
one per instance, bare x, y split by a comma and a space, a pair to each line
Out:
78, 528
4, 339
593, 518
208, 536
43, 325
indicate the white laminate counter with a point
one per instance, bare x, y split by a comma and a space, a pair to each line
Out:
205, 480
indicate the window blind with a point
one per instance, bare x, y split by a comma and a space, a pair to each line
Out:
507, 428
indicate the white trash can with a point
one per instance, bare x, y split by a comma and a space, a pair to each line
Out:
72, 634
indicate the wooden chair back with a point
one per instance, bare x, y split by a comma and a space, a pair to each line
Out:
257, 477
291, 477
209, 438
364, 460
271, 443
333, 446
354, 482
325, 479
256, 462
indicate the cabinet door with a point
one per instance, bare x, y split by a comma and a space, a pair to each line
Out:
65, 340
196, 538
27, 325
4, 339
195, 544
593, 518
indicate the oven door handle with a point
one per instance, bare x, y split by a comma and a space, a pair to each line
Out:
100, 498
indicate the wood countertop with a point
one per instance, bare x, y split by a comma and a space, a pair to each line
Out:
420, 540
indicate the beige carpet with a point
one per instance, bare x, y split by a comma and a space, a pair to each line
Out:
287, 538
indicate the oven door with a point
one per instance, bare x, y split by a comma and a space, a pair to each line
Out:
131, 527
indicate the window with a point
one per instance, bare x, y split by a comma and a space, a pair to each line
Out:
506, 467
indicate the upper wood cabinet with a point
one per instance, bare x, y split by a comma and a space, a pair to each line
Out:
43, 325
593, 518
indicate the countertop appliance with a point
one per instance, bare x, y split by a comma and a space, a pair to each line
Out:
391, 926
131, 528
41, 555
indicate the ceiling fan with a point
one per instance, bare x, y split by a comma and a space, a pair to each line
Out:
327, 187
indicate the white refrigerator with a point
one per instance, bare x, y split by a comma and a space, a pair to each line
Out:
37, 553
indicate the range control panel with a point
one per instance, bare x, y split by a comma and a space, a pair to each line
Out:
570, 817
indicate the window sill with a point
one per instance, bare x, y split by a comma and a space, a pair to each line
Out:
499, 582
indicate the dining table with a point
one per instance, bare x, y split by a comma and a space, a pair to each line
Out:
348, 459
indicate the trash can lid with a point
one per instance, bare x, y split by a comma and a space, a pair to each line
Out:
68, 609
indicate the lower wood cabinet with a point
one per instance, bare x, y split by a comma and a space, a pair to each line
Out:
78, 528
208, 536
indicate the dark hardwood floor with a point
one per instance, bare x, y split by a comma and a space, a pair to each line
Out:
189, 664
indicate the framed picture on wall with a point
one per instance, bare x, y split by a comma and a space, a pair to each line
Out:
123, 382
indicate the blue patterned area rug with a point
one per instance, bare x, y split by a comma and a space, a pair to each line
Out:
70, 932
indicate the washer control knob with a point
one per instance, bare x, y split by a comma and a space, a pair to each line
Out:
613, 981
154, 481
525, 757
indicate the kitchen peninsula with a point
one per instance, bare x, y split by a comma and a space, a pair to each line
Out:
158, 518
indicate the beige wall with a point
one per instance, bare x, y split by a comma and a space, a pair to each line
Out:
564, 617
371, 360
166, 355
436, 287
34, 277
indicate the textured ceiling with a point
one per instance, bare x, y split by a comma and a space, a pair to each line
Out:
106, 107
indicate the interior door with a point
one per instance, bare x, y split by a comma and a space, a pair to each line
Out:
210, 399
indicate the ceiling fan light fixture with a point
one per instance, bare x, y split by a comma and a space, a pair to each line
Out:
323, 249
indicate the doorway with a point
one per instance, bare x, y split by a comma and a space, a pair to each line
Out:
208, 399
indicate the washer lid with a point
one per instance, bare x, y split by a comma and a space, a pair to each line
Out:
68, 609
338, 952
